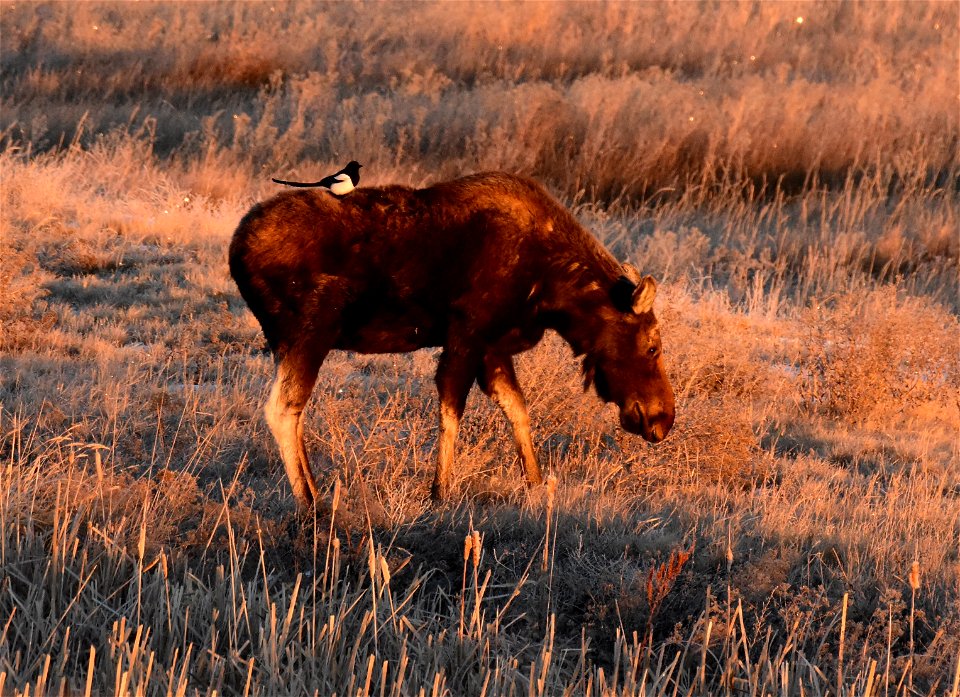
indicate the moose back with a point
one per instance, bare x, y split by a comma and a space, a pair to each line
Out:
480, 266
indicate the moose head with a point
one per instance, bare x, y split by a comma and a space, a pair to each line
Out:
625, 363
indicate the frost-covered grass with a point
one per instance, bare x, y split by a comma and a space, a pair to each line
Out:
804, 229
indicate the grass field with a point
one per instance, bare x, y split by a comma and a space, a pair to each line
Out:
789, 173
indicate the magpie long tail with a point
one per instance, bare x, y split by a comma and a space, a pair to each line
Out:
303, 185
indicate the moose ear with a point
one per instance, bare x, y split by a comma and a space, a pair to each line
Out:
644, 294
621, 293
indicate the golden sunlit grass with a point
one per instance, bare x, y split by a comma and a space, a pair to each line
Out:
792, 184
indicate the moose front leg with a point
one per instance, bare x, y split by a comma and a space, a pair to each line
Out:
455, 374
499, 381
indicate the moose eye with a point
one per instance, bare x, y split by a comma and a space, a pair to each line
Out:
653, 351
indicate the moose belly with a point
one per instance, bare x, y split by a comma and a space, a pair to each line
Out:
389, 332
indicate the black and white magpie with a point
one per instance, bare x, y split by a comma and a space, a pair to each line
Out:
339, 184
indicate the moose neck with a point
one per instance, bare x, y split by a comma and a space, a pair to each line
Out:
580, 273
578, 305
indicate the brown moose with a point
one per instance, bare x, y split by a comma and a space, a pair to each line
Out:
480, 266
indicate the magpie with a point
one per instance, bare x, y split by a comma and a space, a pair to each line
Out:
339, 184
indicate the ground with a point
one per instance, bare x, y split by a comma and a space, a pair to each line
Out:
787, 171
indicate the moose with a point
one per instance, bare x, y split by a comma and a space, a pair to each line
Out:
480, 266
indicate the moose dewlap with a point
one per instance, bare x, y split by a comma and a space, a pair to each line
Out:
480, 266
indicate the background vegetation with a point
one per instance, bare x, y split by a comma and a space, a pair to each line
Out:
789, 171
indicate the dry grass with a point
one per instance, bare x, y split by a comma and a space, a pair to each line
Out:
803, 225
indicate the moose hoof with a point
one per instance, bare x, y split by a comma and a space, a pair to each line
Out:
438, 492
305, 499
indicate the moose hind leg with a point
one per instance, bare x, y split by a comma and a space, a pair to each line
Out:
499, 382
296, 375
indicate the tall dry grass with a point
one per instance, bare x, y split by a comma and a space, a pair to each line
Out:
148, 542
619, 100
